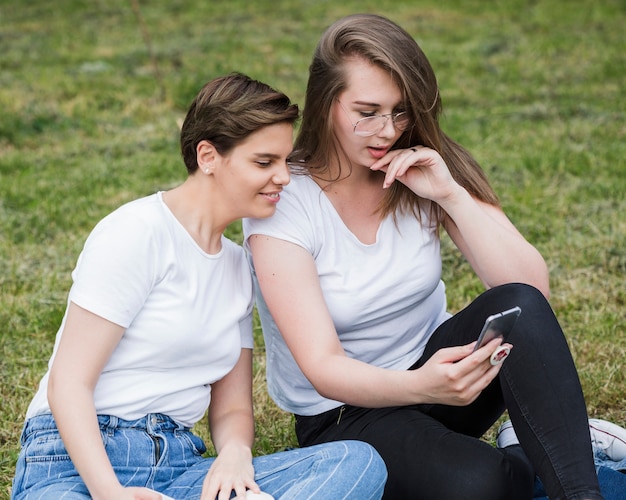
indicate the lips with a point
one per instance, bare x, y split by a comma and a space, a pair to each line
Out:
377, 153
272, 197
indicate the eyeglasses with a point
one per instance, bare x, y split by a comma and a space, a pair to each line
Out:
371, 125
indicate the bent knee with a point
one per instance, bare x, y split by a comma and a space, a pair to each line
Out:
362, 459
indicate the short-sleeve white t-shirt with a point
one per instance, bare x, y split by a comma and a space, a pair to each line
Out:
187, 313
385, 299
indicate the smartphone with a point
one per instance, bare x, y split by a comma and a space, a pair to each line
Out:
498, 326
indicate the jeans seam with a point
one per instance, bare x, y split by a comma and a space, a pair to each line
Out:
532, 424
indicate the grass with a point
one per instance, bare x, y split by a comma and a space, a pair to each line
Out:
90, 117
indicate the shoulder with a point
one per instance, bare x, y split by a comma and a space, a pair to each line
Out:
233, 250
296, 214
134, 229
302, 186
140, 211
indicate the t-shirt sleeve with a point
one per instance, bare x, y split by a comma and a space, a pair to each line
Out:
245, 330
294, 220
115, 271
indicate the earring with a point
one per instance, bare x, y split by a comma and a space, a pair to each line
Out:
206, 170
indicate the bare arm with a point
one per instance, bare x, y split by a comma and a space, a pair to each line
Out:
290, 285
493, 246
85, 346
231, 423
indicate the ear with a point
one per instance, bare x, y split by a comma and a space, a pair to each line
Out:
206, 156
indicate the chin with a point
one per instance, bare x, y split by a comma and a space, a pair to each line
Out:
263, 213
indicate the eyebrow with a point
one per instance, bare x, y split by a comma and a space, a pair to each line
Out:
375, 104
273, 156
365, 103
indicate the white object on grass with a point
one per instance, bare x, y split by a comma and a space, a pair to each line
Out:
258, 496
249, 496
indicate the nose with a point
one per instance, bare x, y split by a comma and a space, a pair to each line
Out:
389, 129
281, 175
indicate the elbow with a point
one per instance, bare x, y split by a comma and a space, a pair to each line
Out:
53, 391
326, 392
544, 289
328, 386
534, 273
542, 280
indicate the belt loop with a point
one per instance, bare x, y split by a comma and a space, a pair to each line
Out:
151, 422
111, 425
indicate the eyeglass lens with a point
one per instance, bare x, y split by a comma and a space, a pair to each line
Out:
373, 124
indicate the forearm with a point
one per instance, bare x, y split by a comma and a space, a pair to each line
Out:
496, 250
452, 376
232, 429
358, 383
76, 419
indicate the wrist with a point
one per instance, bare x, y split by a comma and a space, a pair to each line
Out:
455, 198
239, 448
106, 491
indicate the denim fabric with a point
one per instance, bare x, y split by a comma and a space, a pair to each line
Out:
611, 476
157, 453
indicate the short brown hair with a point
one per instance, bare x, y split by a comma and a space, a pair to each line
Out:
227, 110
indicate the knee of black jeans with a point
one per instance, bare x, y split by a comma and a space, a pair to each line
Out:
537, 322
520, 294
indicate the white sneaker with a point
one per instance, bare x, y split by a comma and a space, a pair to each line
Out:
608, 437
506, 435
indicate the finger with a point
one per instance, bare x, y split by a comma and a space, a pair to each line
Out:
252, 486
225, 494
209, 493
385, 160
487, 350
398, 167
240, 492
454, 354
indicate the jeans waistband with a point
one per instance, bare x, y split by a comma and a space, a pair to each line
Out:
152, 422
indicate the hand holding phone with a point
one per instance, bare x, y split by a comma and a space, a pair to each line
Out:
498, 326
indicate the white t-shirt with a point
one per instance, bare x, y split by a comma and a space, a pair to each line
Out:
187, 313
385, 298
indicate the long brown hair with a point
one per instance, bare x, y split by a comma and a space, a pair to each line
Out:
385, 44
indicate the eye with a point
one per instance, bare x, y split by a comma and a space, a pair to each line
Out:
263, 163
367, 114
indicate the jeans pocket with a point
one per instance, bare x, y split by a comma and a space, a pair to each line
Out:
193, 442
45, 446
42, 457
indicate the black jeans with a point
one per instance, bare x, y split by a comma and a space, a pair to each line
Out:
433, 451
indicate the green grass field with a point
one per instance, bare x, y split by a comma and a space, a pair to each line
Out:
91, 94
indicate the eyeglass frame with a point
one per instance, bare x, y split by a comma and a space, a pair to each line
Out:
386, 116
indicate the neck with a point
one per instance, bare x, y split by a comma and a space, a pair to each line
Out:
351, 181
194, 207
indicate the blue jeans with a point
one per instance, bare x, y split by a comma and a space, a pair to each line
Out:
155, 452
611, 476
